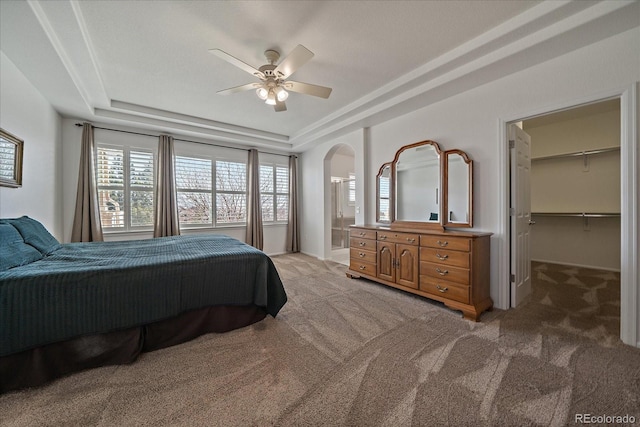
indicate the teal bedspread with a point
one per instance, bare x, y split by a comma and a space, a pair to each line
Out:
87, 288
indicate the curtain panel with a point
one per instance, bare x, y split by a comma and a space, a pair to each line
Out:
254, 207
165, 217
293, 230
86, 219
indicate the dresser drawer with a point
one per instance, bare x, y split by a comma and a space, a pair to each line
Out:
369, 245
362, 233
445, 289
446, 242
445, 272
362, 267
362, 255
445, 257
395, 237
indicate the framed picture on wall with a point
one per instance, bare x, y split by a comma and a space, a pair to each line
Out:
10, 160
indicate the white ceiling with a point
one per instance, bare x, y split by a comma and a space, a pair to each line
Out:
146, 63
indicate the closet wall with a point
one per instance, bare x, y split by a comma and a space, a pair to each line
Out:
575, 197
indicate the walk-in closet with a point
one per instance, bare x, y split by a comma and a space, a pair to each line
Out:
575, 211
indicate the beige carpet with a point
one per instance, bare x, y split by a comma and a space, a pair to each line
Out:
351, 352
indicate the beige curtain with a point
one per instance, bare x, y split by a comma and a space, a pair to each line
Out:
86, 218
293, 231
165, 218
254, 207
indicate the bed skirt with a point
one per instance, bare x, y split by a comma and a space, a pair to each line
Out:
40, 365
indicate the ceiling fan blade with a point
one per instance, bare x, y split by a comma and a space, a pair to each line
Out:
237, 89
280, 106
238, 63
296, 59
308, 89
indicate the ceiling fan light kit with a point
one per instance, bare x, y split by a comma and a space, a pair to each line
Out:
273, 88
271, 98
262, 93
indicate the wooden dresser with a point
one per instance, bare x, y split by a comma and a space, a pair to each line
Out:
447, 266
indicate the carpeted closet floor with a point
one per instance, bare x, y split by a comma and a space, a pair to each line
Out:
355, 353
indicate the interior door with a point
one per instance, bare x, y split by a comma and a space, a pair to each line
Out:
520, 214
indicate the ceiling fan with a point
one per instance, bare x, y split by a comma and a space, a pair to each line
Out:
274, 87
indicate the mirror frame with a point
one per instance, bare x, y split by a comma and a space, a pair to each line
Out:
380, 171
445, 189
413, 224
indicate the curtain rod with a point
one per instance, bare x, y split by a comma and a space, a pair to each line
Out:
186, 140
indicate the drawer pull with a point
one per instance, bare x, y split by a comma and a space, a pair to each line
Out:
442, 273
362, 233
442, 244
410, 240
362, 254
362, 267
441, 257
362, 243
441, 289
383, 237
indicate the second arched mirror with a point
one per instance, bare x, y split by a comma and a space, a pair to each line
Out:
457, 189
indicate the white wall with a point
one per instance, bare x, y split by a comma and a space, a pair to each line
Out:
25, 113
471, 121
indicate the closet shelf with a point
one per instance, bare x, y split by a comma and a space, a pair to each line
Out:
577, 153
578, 214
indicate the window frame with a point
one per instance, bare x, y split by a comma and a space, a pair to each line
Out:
273, 165
127, 188
213, 160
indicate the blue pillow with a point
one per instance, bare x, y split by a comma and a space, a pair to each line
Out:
35, 234
14, 252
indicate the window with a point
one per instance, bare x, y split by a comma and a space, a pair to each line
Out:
193, 190
384, 194
231, 192
352, 189
274, 193
125, 187
195, 195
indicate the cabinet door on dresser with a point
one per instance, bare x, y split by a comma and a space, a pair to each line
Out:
387, 261
398, 259
407, 265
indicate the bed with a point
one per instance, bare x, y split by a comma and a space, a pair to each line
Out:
68, 307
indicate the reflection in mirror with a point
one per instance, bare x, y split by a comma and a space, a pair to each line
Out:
383, 214
458, 177
417, 183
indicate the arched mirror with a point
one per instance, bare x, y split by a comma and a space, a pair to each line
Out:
416, 182
457, 188
383, 194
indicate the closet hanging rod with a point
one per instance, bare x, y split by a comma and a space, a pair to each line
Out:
577, 153
577, 214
